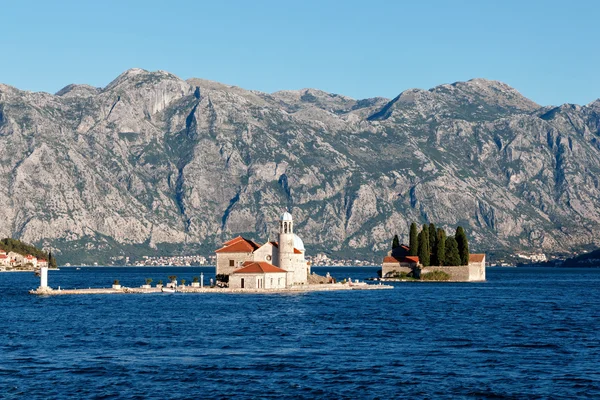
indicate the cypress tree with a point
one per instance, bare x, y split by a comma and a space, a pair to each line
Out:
424, 251
432, 244
432, 237
414, 240
463, 245
395, 242
452, 257
440, 249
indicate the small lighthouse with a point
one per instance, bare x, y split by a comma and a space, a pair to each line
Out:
43, 278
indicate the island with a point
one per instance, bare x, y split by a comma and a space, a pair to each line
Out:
243, 266
433, 256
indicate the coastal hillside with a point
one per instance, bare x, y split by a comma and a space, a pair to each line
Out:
152, 163
590, 259
13, 251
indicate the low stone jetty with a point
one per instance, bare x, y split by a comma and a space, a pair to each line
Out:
47, 291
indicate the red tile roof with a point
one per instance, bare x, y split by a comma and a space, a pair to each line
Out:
235, 239
296, 251
238, 245
476, 257
3, 256
276, 244
407, 259
259, 267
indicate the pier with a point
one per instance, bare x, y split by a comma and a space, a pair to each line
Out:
47, 291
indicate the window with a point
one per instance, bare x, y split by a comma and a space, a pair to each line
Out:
242, 283
231, 263
271, 282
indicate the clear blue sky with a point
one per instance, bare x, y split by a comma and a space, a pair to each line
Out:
548, 50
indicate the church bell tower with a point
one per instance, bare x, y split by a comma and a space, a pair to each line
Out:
286, 242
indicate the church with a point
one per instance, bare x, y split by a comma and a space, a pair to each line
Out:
273, 265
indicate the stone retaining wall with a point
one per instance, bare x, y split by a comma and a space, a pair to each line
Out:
462, 273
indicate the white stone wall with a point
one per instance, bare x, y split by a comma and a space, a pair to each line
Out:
267, 253
477, 271
275, 280
271, 280
238, 259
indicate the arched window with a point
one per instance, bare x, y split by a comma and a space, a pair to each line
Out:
285, 227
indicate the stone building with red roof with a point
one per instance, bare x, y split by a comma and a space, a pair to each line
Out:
258, 275
287, 255
399, 261
4, 260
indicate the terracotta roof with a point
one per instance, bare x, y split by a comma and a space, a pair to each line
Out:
238, 245
476, 257
405, 247
407, 259
296, 251
259, 267
276, 244
3, 256
235, 239
42, 260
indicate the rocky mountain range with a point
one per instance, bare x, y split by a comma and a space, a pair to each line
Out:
152, 164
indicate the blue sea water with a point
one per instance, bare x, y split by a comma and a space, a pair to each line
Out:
525, 333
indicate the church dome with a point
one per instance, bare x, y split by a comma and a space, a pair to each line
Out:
286, 216
298, 243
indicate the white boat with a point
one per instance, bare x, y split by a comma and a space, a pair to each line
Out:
168, 290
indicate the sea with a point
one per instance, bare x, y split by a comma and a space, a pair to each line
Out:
525, 333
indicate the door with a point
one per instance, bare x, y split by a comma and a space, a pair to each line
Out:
242, 283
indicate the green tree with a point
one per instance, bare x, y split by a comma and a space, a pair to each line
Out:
424, 251
432, 244
395, 242
440, 249
452, 257
51, 260
463, 245
432, 236
414, 240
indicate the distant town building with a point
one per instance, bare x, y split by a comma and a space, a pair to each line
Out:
536, 257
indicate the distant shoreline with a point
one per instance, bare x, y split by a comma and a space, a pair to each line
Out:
29, 270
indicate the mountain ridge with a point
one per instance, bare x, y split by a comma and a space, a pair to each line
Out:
161, 163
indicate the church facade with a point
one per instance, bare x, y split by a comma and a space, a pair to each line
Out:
269, 266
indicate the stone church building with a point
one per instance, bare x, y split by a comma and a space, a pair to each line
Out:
273, 265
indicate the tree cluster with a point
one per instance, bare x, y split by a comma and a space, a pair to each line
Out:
434, 247
24, 249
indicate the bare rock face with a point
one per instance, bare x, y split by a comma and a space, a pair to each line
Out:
155, 163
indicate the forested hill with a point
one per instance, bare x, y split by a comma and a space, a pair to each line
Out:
152, 162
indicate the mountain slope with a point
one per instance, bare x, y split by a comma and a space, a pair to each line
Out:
155, 162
